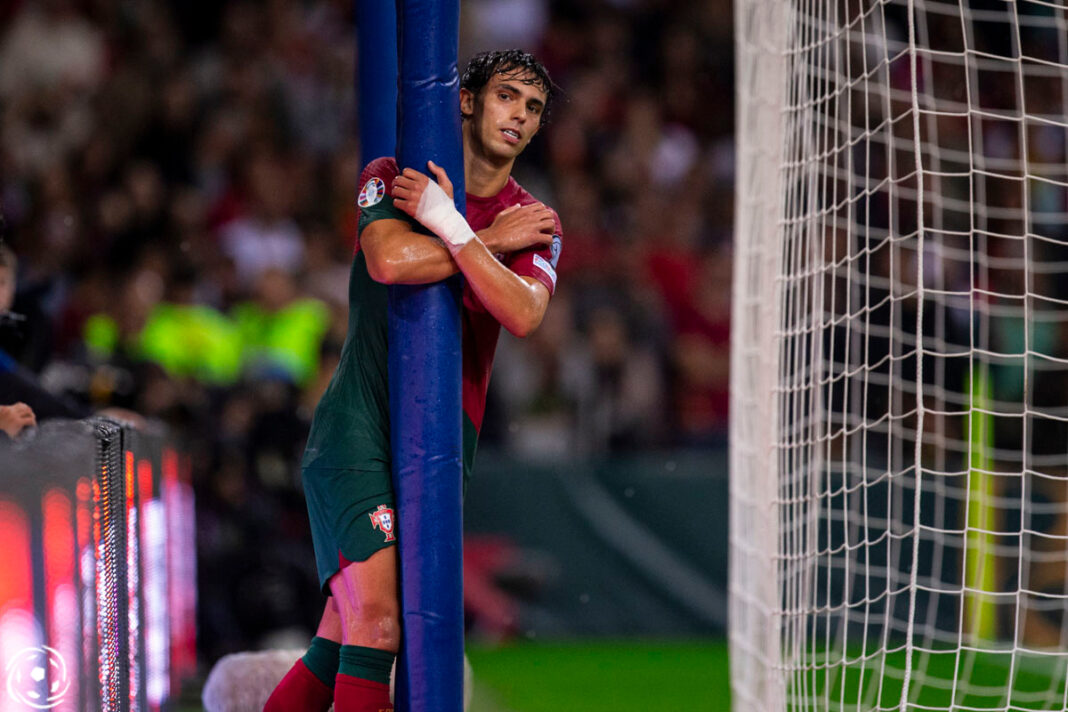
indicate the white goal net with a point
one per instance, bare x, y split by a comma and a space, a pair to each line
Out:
899, 444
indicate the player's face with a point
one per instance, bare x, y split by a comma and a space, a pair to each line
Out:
505, 115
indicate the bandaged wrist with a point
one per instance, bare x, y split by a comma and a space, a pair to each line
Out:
437, 213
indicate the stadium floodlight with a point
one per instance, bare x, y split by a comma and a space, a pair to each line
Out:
899, 444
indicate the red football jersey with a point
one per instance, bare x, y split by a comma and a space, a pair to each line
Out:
480, 328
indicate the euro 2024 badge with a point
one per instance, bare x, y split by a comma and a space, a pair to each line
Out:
32, 671
372, 193
382, 519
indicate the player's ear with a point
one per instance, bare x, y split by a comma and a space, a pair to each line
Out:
467, 103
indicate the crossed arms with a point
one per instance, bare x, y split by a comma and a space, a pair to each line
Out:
398, 255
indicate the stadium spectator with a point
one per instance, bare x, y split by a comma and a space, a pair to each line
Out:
281, 332
264, 235
15, 418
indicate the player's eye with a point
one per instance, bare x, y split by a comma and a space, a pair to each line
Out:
504, 96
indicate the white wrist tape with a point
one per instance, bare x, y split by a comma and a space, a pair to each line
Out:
438, 214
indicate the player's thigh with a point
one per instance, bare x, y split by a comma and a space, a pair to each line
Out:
368, 589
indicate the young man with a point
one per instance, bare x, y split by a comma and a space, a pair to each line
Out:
507, 250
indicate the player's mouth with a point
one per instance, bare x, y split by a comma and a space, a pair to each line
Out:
511, 136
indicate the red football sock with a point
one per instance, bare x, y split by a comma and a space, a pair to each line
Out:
353, 694
300, 689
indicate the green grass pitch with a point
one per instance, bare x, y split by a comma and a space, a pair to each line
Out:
609, 676
944, 680
647, 676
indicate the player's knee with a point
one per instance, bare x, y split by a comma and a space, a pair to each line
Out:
377, 624
387, 632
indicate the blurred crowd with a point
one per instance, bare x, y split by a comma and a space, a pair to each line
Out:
178, 182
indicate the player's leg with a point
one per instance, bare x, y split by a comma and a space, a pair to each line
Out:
309, 684
368, 602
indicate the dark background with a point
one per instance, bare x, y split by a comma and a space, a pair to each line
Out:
178, 181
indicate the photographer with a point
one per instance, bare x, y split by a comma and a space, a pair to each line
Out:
22, 399
25, 330
13, 418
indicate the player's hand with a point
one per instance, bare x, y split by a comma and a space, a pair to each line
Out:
15, 418
409, 186
431, 205
519, 227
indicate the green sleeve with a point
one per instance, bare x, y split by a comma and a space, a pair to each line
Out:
383, 210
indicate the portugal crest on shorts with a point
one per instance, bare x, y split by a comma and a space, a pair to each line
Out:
373, 192
382, 519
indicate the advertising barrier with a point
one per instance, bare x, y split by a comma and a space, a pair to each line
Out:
97, 568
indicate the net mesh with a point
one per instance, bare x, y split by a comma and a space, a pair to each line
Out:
900, 367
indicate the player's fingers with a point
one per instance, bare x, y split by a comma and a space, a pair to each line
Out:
510, 209
438, 172
541, 225
413, 175
442, 177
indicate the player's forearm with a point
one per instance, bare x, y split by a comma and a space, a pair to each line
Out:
409, 258
517, 304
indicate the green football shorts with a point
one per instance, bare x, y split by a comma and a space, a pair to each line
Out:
352, 516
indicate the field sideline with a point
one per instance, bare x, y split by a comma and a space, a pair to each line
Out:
602, 676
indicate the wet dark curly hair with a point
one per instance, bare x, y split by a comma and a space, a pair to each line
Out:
510, 63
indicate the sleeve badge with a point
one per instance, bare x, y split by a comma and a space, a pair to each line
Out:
372, 193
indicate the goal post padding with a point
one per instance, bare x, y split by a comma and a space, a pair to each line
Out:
424, 381
376, 78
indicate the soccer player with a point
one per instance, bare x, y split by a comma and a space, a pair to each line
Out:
507, 250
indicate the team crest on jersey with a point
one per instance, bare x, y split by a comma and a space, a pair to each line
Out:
383, 520
373, 192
